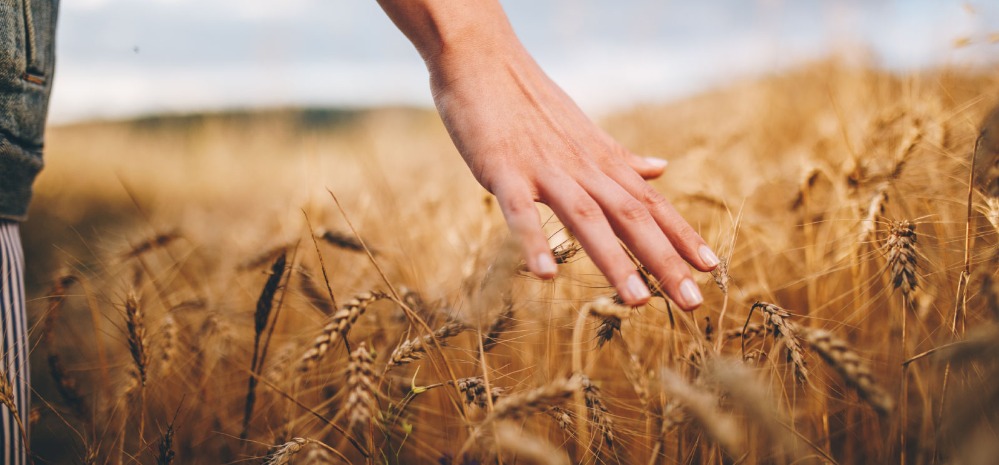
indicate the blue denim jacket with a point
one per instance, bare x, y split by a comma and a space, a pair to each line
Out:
27, 59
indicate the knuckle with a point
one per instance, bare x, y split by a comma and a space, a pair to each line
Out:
518, 205
633, 210
674, 270
653, 200
587, 210
686, 237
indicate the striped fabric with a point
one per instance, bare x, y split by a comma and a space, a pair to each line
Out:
14, 350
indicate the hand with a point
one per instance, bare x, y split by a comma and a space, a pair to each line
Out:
526, 141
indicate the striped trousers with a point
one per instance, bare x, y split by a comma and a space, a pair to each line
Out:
14, 348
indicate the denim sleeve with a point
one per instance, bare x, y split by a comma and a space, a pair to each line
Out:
27, 61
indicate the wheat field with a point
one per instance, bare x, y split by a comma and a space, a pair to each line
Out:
326, 287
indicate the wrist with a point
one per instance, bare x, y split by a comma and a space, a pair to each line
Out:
451, 33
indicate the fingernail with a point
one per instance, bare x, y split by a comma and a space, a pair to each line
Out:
545, 265
637, 289
708, 256
690, 293
656, 162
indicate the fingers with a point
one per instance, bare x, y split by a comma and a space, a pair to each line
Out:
585, 218
634, 224
687, 242
517, 203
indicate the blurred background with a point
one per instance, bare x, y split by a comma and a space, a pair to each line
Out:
131, 57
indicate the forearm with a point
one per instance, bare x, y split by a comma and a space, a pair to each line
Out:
440, 28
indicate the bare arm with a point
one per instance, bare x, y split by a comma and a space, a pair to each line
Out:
526, 141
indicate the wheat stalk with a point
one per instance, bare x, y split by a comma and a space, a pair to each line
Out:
341, 240
7, 400
901, 246
136, 329
166, 453
474, 390
703, 407
850, 367
875, 208
535, 400
415, 349
67, 387
512, 443
779, 321
598, 411
500, 325
168, 343
337, 328
281, 455
261, 319
360, 403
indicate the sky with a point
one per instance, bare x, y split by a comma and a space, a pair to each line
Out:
122, 58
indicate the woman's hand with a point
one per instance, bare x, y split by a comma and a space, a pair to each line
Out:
526, 141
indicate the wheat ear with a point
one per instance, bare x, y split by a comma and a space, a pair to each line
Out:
850, 367
338, 327
779, 321
415, 349
361, 403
